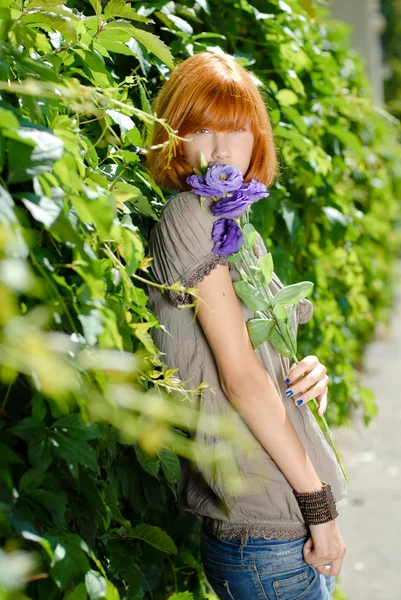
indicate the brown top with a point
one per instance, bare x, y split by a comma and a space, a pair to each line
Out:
181, 247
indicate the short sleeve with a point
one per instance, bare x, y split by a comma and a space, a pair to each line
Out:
181, 244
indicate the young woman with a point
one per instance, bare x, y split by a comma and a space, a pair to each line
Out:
278, 539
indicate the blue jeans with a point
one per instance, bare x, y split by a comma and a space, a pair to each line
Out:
262, 570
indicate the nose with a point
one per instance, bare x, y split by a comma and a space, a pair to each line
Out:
221, 150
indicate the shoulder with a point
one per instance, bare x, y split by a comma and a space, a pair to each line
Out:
184, 215
187, 205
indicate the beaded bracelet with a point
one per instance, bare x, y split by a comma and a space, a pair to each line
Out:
319, 506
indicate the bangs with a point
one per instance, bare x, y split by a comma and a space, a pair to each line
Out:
220, 108
213, 91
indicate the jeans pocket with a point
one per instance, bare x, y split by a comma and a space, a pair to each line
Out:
303, 584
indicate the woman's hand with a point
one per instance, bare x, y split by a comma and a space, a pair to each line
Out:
325, 549
308, 380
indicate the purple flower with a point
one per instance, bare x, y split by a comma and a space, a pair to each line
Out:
232, 206
227, 237
254, 190
223, 178
200, 187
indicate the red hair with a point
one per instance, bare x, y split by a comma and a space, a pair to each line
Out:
214, 91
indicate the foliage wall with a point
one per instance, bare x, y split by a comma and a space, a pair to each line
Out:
90, 416
391, 35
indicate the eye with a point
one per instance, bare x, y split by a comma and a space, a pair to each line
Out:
203, 129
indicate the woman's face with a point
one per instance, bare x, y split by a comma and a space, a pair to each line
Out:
228, 147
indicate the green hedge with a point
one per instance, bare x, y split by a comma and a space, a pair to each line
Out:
391, 10
90, 418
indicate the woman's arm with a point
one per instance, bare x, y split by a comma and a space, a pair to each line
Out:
247, 384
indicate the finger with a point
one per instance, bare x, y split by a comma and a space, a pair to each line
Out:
317, 374
333, 568
303, 366
314, 391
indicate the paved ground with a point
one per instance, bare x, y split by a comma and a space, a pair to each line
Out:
370, 516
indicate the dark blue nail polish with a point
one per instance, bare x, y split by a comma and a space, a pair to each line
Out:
299, 402
289, 393
288, 380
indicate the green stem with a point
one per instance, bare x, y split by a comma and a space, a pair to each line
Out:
248, 258
327, 431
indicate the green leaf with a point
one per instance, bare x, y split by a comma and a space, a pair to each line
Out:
120, 8
181, 24
259, 330
291, 294
347, 138
74, 451
249, 232
267, 266
291, 337
123, 121
92, 325
154, 44
39, 453
33, 537
30, 480
74, 425
96, 585
170, 465
250, 296
111, 592
279, 344
78, 594
31, 152
154, 536
279, 311
286, 97
181, 596
203, 163
54, 502
42, 209
29, 428
151, 464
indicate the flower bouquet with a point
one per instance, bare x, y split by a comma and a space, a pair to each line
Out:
235, 236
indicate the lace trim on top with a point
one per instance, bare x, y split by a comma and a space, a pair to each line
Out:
209, 263
224, 530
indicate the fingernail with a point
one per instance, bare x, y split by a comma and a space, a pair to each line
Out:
289, 393
299, 402
288, 380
